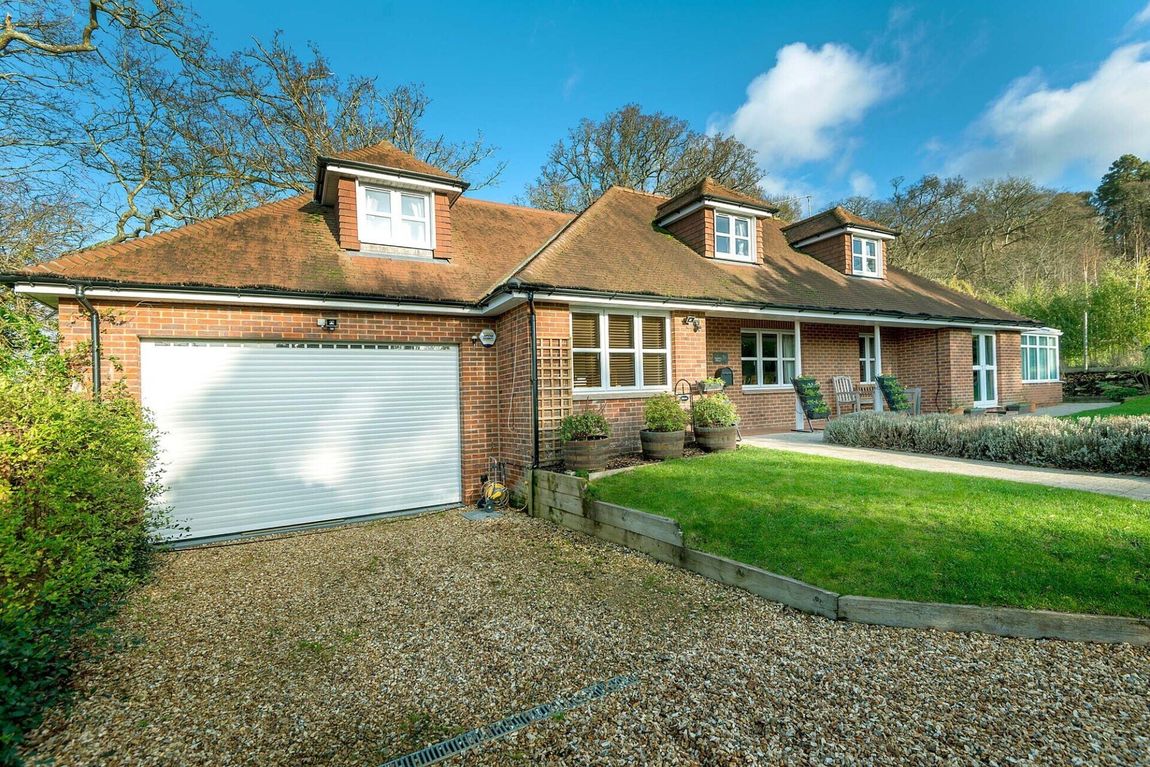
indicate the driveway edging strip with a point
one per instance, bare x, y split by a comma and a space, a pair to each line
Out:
563, 500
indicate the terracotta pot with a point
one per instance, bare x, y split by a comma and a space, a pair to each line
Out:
714, 439
586, 454
1031, 407
957, 410
661, 445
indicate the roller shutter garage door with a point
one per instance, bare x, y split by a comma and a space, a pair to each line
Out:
258, 435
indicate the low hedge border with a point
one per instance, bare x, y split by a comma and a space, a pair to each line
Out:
1115, 445
563, 499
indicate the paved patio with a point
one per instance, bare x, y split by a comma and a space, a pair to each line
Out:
1137, 488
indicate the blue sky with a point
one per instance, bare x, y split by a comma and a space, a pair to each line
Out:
837, 97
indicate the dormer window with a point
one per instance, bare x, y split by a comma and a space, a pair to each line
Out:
865, 256
395, 217
733, 237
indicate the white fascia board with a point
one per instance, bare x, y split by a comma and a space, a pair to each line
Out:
680, 213
854, 230
726, 207
496, 305
390, 179
803, 315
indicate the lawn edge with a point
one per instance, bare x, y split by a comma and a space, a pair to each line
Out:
563, 500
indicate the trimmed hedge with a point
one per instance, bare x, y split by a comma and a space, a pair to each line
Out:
77, 491
1116, 445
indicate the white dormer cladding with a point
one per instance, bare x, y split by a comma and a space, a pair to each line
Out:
389, 179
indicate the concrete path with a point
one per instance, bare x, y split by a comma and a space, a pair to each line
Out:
1070, 408
1137, 488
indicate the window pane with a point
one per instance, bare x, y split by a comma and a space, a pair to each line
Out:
654, 333
871, 266
723, 224
416, 231
622, 369
770, 371
377, 228
654, 370
585, 331
864, 376
770, 345
871, 248
742, 247
414, 205
621, 331
989, 341
586, 365
856, 246
742, 227
1042, 365
788, 344
977, 386
975, 341
378, 201
750, 373
857, 265
722, 244
788, 372
990, 382
748, 345
862, 346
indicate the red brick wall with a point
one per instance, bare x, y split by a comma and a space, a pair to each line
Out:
939, 361
124, 324
1009, 357
513, 360
345, 209
1042, 394
760, 410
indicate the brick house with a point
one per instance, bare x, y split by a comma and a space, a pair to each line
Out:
330, 356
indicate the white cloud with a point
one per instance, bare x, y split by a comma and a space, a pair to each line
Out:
862, 184
1039, 131
1143, 17
798, 110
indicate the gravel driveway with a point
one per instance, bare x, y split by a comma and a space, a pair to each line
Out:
355, 645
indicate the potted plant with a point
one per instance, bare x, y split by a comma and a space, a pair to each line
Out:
893, 393
710, 385
715, 420
664, 422
584, 436
957, 407
811, 398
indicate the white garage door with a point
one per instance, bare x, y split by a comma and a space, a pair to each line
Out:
263, 435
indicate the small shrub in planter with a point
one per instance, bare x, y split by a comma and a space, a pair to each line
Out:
709, 385
665, 421
715, 421
811, 398
894, 394
584, 436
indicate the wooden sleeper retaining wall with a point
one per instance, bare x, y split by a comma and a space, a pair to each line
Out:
563, 500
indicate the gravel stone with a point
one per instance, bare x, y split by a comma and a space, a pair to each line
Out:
355, 645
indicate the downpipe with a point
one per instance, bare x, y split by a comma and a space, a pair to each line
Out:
534, 381
94, 318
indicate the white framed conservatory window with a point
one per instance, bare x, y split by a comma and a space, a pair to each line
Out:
734, 237
768, 358
1039, 358
613, 350
865, 256
395, 217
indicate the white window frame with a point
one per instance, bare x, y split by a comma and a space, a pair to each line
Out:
1045, 344
750, 238
863, 257
637, 351
986, 370
397, 218
759, 358
869, 363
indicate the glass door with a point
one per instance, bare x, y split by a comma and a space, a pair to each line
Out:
985, 370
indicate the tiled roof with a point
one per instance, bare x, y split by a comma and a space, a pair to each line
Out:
387, 155
708, 187
830, 220
613, 247
291, 245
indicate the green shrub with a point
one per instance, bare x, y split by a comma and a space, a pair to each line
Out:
664, 413
894, 393
1118, 392
1119, 445
714, 410
76, 489
590, 424
811, 397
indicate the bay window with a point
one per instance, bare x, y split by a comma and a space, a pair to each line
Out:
768, 358
1039, 358
619, 350
395, 217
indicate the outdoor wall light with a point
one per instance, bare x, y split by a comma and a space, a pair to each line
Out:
695, 323
327, 323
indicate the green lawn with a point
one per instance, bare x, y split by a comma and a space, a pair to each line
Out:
869, 530
1132, 406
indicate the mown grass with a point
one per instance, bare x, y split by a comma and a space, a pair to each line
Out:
875, 531
1132, 406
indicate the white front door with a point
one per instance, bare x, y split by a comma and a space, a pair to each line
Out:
985, 370
259, 435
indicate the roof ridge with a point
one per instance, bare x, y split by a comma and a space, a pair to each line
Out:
531, 208
622, 188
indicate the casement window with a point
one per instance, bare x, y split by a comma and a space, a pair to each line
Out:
768, 358
619, 350
1039, 358
734, 237
865, 256
868, 361
395, 217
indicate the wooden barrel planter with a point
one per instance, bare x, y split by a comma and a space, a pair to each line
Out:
661, 445
586, 454
715, 439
